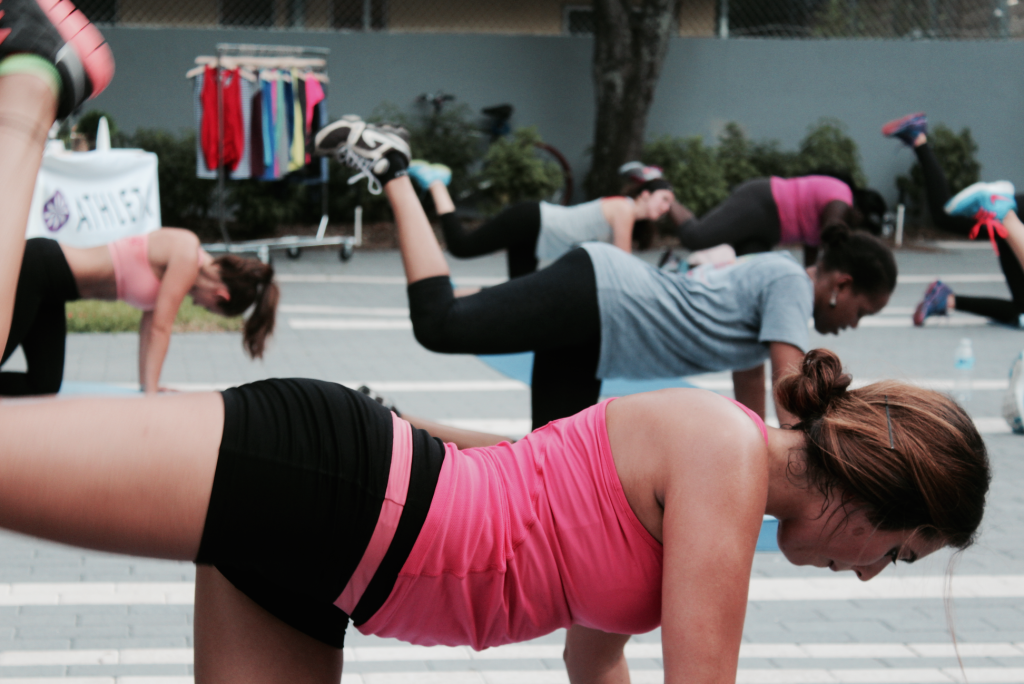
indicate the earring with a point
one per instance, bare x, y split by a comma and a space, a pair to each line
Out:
832, 302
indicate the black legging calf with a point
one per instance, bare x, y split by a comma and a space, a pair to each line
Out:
937, 192
748, 220
553, 313
39, 323
515, 229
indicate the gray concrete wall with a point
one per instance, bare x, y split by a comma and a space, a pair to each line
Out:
774, 89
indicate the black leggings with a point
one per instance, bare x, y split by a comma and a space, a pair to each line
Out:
515, 229
553, 313
748, 220
937, 192
39, 323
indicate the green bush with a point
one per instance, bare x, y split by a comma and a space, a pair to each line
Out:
827, 148
514, 172
692, 168
703, 176
956, 154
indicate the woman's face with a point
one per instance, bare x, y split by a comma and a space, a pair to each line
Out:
209, 293
658, 203
850, 305
840, 542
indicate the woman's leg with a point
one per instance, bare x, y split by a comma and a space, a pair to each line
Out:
39, 323
238, 641
748, 220
937, 190
553, 312
27, 108
121, 475
515, 229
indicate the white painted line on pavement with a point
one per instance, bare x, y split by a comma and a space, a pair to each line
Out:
962, 244
907, 279
379, 280
922, 675
349, 324
933, 322
344, 310
513, 652
843, 588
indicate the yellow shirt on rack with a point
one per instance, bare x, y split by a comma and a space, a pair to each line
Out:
297, 157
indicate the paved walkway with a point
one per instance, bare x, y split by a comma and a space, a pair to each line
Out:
89, 617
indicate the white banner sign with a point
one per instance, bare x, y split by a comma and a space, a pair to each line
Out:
86, 199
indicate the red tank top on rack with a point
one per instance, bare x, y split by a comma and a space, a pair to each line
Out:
234, 128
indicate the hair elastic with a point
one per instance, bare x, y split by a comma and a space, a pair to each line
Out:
888, 420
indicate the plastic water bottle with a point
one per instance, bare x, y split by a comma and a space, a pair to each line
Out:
964, 364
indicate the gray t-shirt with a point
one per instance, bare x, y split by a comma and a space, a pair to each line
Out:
563, 228
656, 324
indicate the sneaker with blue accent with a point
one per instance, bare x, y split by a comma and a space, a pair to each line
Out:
988, 203
906, 128
934, 302
425, 173
993, 198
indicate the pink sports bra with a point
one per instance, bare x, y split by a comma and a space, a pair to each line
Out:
137, 285
520, 540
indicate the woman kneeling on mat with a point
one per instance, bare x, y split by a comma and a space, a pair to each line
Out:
307, 504
983, 205
765, 212
537, 233
151, 272
599, 312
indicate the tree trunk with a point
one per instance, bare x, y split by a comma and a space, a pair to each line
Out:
630, 42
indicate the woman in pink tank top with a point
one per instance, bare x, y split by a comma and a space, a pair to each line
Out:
307, 504
153, 273
764, 212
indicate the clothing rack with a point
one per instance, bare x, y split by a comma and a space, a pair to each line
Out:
251, 56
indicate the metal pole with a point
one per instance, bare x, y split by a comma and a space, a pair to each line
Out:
367, 15
222, 215
723, 19
901, 212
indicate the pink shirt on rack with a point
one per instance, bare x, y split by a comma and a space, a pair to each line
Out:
800, 202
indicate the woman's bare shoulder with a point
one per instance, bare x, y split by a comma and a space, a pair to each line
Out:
707, 423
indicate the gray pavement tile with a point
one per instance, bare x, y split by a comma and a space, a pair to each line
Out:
129, 670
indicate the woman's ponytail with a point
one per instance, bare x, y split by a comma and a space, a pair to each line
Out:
250, 281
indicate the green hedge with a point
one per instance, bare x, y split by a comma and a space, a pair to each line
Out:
704, 175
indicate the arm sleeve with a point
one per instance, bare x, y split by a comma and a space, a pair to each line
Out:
788, 306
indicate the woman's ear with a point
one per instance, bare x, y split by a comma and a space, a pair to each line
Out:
223, 293
842, 280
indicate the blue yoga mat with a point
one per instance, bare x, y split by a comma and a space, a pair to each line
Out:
520, 367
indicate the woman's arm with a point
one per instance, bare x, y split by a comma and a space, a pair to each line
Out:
619, 212
748, 388
713, 505
595, 657
155, 335
786, 359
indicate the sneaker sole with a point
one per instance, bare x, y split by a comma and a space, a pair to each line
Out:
332, 137
88, 43
895, 125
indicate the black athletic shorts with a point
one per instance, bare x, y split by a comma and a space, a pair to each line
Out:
300, 480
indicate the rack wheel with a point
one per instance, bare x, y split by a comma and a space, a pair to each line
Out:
294, 252
346, 251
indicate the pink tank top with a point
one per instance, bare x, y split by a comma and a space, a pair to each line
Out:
800, 202
137, 285
523, 539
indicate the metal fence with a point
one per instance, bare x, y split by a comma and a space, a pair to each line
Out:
879, 19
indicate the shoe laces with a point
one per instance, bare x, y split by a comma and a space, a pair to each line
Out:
361, 164
987, 219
